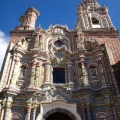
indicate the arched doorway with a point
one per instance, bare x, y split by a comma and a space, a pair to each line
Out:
58, 116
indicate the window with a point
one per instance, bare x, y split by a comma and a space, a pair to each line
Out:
58, 75
96, 21
58, 43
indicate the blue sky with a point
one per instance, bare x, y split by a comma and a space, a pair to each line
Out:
51, 11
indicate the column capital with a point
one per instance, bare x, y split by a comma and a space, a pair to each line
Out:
47, 63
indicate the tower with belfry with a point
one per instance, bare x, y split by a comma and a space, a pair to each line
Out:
62, 74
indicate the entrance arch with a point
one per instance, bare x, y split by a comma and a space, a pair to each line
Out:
58, 116
57, 112
58, 106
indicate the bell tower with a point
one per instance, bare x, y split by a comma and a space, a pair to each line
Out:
92, 15
29, 18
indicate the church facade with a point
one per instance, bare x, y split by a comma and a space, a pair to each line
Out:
62, 74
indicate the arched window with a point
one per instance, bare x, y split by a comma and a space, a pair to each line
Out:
95, 21
16, 116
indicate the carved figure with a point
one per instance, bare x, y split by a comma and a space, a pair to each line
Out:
93, 71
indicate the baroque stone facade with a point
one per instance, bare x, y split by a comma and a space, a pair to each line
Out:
60, 71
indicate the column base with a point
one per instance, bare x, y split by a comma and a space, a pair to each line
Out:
70, 86
12, 86
31, 87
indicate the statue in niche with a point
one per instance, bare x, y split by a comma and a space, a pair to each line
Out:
83, 70
93, 71
23, 71
101, 68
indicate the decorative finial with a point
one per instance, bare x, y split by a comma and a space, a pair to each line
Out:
39, 27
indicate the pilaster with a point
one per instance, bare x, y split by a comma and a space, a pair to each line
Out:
70, 75
47, 75
32, 73
7, 110
15, 73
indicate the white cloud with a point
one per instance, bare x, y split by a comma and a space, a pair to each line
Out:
3, 46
